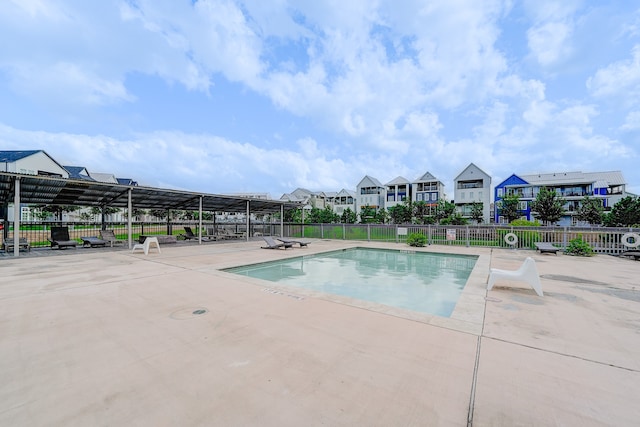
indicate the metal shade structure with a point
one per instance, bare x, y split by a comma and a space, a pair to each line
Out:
48, 190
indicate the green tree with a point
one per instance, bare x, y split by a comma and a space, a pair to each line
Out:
401, 213
293, 215
348, 216
367, 215
444, 210
548, 206
477, 212
625, 213
381, 217
158, 213
420, 211
86, 216
509, 207
590, 210
322, 216
57, 210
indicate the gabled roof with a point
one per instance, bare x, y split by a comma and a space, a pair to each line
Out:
12, 156
345, 192
78, 172
105, 177
512, 180
398, 180
126, 181
471, 168
302, 192
369, 180
290, 197
427, 177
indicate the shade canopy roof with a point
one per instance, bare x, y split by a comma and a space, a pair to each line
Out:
45, 190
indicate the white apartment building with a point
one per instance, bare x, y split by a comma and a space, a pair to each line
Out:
470, 186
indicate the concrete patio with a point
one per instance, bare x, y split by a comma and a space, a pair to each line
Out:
106, 337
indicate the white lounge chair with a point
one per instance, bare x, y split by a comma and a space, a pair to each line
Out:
526, 273
146, 245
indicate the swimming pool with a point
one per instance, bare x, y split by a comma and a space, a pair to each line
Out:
419, 281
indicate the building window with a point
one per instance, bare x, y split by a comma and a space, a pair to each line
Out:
434, 197
461, 195
500, 192
471, 195
480, 195
522, 206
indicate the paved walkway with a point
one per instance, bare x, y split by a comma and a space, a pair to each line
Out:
106, 337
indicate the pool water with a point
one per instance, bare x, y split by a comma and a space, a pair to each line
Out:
424, 282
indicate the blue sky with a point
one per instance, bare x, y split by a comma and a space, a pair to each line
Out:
228, 96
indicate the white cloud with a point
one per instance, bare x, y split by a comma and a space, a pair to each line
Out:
632, 121
549, 42
550, 37
620, 79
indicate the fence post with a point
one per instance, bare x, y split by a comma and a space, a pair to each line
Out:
368, 232
468, 242
564, 237
321, 231
429, 233
344, 231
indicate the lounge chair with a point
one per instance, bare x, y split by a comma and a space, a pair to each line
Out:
23, 243
188, 234
272, 244
546, 247
60, 238
92, 242
635, 254
302, 243
146, 245
526, 273
110, 237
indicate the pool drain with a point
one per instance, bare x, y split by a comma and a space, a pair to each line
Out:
188, 313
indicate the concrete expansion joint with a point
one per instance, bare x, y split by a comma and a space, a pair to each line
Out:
573, 356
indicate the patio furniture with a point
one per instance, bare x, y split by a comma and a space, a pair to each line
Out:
526, 273
110, 237
146, 245
60, 238
164, 239
634, 254
92, 242
188, 234
546, 247
302, 243
272, 244
23, 243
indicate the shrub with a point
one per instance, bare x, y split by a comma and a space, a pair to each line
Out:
524, 223
579, 247
416, 239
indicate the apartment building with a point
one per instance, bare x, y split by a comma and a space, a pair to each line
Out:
370, 193
471, 186
427, 189
397, 190
609, 187
344, 199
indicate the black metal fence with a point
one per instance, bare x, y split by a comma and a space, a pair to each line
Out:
601, 239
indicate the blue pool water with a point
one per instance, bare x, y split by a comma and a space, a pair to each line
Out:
425, 282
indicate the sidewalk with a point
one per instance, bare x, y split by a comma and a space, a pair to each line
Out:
103, 337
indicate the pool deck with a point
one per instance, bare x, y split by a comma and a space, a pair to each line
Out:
106, 337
